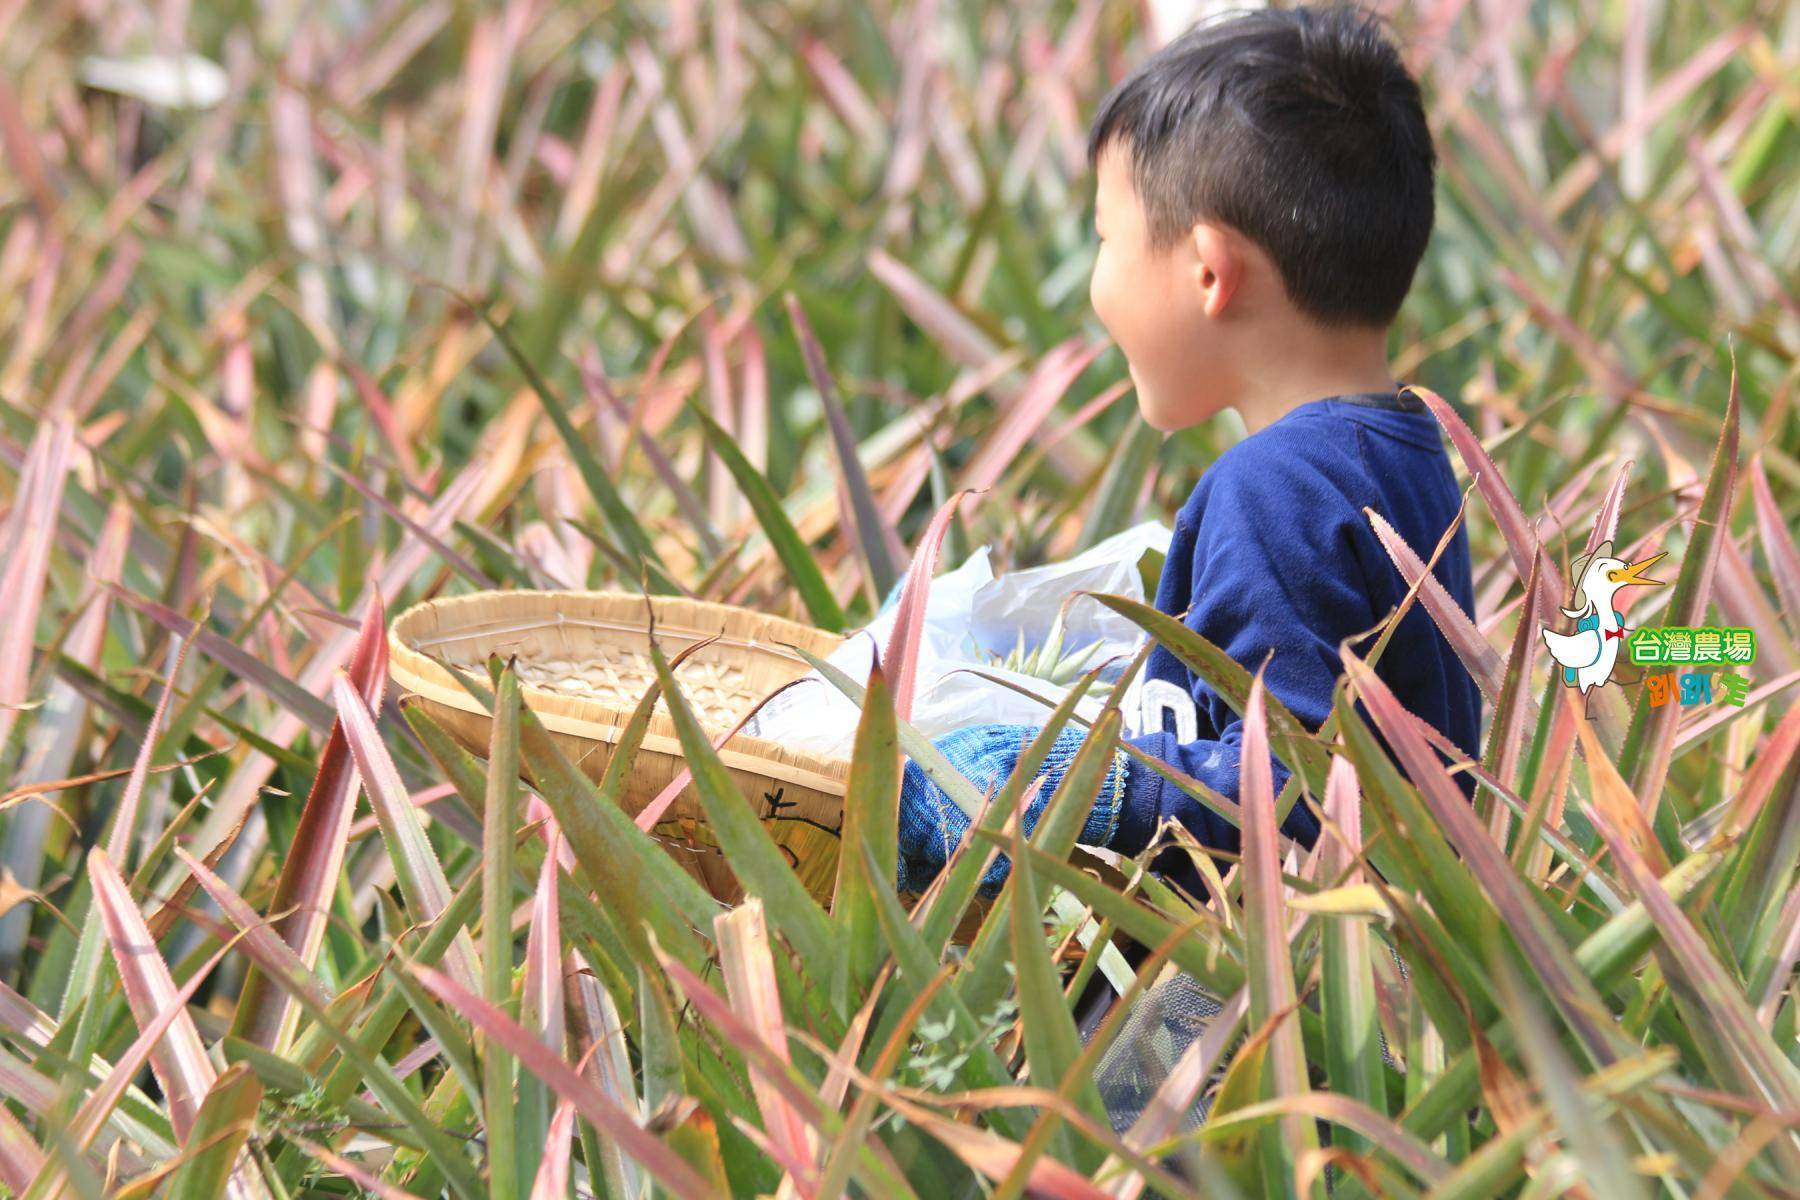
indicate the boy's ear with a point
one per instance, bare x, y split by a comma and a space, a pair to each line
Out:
1218, 267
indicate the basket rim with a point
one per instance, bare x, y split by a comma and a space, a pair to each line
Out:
596, 720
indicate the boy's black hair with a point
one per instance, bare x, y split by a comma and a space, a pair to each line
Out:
1301, 129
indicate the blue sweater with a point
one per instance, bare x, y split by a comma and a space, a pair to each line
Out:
1273, 551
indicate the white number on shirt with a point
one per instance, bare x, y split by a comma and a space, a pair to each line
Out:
1148, 700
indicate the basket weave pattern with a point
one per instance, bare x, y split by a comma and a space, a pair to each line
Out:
619, 676
583, 663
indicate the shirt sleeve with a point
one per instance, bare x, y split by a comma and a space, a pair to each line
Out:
1277, 567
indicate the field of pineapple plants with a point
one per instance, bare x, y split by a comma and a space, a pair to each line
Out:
309, 314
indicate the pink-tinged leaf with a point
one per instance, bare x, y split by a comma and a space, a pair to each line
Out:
77, 331
1708, 989
314, 859
844, 95
26, 540
840, 1158
258, 935
1347, 999
959, 336
669, 1168
55, 736
23, 1019
1777, 542
1506, 733
599, 1035
19, 1082
1725, 714
600, 390
1459, 631
416, 1058
1084, 415
538, 813
709, 213
240, 793
381, 415
1269, 969
1649, 746
182, 1069
1060, 368
725, 503
359, 1175
1658, 103
421, 799
874, 538
1771, 762
583, 184
995, 1157
1563, 509
901, 654
124, 820
1550, 787
1601, 361
1606, 520
1611, 795
776, 1072
101, 1102
906, 155
794, 1170
741, 1035
486, 66
1074, 48
1502, 504
753, 435
24, 157
743, 940
843, 1063
1742, 601
413, 552
955, 150
20, 1158
1683, 480
103, 567
552, 1182
907, 479
543, 999
441, 548
240, 662
1561, 978
421, 877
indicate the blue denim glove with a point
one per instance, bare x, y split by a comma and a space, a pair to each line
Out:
931, 824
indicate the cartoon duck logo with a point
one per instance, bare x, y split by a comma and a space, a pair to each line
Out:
1587, 655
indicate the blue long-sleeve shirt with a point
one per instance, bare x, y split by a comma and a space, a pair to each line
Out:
1273, 552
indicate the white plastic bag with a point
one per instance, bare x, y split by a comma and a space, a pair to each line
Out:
969, 611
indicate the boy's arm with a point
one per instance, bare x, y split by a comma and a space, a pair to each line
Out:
1276, 568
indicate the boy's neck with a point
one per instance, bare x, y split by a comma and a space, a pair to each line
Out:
1311, 365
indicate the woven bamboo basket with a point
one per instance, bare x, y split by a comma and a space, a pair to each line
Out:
584, 663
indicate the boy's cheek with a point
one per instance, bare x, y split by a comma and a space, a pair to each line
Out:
1169, 367
1119, 310
1100, 296
1135, 343
1143, 311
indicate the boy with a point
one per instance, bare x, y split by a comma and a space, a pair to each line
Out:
1263, 198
